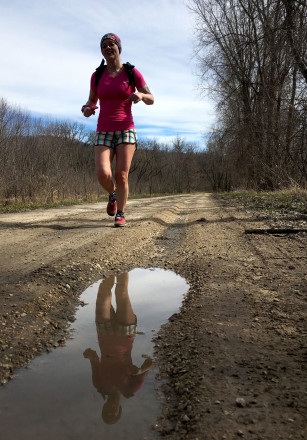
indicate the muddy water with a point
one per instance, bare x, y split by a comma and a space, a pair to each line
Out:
102, 384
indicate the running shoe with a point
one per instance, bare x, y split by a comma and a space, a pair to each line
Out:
120, 221
112, 205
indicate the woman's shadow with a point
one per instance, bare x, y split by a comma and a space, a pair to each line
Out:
114, 374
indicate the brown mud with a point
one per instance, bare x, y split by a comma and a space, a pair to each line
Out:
231, 362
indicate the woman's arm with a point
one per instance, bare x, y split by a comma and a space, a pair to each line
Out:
147, 95
92, 100
95, 364
145, 367
143, 94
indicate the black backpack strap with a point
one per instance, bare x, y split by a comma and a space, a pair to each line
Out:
129, 70
99, 72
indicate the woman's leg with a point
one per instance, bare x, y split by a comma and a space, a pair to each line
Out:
103, 161
124, 312
104, 300
124, 154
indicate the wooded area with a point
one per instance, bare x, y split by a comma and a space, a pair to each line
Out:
49, 161
252, 61
252, 53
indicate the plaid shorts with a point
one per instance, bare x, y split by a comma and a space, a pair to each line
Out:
112, 139
115, 329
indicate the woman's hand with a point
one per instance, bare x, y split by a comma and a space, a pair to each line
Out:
90, 354
146, 366
88, 112
135, 97
143, 94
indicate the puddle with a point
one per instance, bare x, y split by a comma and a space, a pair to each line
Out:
102, 384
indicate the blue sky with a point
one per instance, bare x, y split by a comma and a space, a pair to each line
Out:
49, 49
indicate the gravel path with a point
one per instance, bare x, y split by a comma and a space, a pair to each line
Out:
231, 362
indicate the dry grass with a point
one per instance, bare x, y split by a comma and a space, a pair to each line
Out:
291, 200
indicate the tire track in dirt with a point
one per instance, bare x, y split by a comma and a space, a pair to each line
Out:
230, 366
231, 360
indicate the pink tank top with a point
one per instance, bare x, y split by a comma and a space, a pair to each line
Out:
115, 112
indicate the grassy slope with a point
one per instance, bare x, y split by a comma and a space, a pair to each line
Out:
288, 201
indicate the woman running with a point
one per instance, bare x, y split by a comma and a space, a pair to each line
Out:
116, 86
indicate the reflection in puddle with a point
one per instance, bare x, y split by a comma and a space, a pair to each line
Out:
114, 374
102, 383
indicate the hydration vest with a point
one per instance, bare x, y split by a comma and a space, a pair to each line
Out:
128, 68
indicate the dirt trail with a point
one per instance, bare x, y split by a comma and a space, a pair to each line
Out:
232, 359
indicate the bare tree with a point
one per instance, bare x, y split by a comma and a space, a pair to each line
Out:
47, 161
257, 79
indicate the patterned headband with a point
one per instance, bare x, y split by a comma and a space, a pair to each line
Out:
113, 37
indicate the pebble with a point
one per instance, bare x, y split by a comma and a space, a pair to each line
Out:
240, 402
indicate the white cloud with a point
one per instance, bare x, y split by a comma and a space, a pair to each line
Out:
51, 49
